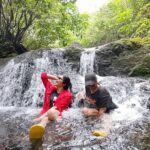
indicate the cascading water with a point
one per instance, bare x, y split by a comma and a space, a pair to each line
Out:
20, 78
87, 61
20, 85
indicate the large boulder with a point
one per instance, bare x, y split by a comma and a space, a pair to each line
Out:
123, 58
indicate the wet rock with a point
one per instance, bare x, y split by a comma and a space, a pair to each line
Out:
122, 58
73, 54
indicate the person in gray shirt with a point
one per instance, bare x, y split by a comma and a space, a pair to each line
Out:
96, 99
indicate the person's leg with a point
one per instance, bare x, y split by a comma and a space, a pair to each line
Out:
40, 118
37, 130
90, 112
51, 115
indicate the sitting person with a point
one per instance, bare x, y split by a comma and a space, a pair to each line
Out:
96, 100
57, 97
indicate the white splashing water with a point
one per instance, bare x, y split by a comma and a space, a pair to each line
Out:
21, 84
130, 94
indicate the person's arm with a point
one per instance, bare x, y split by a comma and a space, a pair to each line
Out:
52, 77
80, 98
81, 95
45, 77
102, 111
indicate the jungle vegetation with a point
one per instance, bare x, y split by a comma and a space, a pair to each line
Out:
32, 24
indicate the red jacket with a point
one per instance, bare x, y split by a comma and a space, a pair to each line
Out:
63, 100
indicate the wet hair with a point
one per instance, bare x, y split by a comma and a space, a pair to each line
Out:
67, 82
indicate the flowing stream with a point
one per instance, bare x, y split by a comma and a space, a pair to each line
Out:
128, 127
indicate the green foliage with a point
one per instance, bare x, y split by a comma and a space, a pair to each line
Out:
119, 19
40, 24
59, 26
142, 41
15, 18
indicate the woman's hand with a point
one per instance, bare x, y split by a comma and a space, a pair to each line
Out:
52, 77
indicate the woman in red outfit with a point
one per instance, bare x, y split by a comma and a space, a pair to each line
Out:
56, 99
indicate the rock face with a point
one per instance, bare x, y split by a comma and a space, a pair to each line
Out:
72, 54
123, 57
114, 58
117, 58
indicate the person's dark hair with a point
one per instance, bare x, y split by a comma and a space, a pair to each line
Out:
67, 82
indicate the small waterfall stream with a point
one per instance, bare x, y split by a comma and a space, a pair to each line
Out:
87, 61
22, 91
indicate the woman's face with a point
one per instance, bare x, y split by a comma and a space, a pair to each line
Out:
59, 81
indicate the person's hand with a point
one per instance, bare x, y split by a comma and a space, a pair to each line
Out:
90, 101
80, 96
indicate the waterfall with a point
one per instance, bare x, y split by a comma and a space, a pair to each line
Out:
87, 61
22, 90
20, 79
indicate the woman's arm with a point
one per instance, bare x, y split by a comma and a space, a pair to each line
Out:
45, 77
52, 77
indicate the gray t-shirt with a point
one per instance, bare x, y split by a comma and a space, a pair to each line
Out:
102, 99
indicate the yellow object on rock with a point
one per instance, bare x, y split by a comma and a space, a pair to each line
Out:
99, 133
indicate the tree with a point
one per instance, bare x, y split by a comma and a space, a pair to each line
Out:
15, 18
36, 24
119, 19
60, 26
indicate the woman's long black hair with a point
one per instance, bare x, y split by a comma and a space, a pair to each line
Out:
67, 82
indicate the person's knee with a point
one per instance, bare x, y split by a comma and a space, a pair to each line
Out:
52, 114
85, 111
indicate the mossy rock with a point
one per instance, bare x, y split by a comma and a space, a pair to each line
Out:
146, 61
73, 53
142, 69
124, 45
134, 62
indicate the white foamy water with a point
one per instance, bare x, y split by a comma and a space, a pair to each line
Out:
87, 61
22, 89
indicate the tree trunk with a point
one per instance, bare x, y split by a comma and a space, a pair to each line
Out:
20, 49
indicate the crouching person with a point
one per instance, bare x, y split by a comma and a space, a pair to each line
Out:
96, 99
